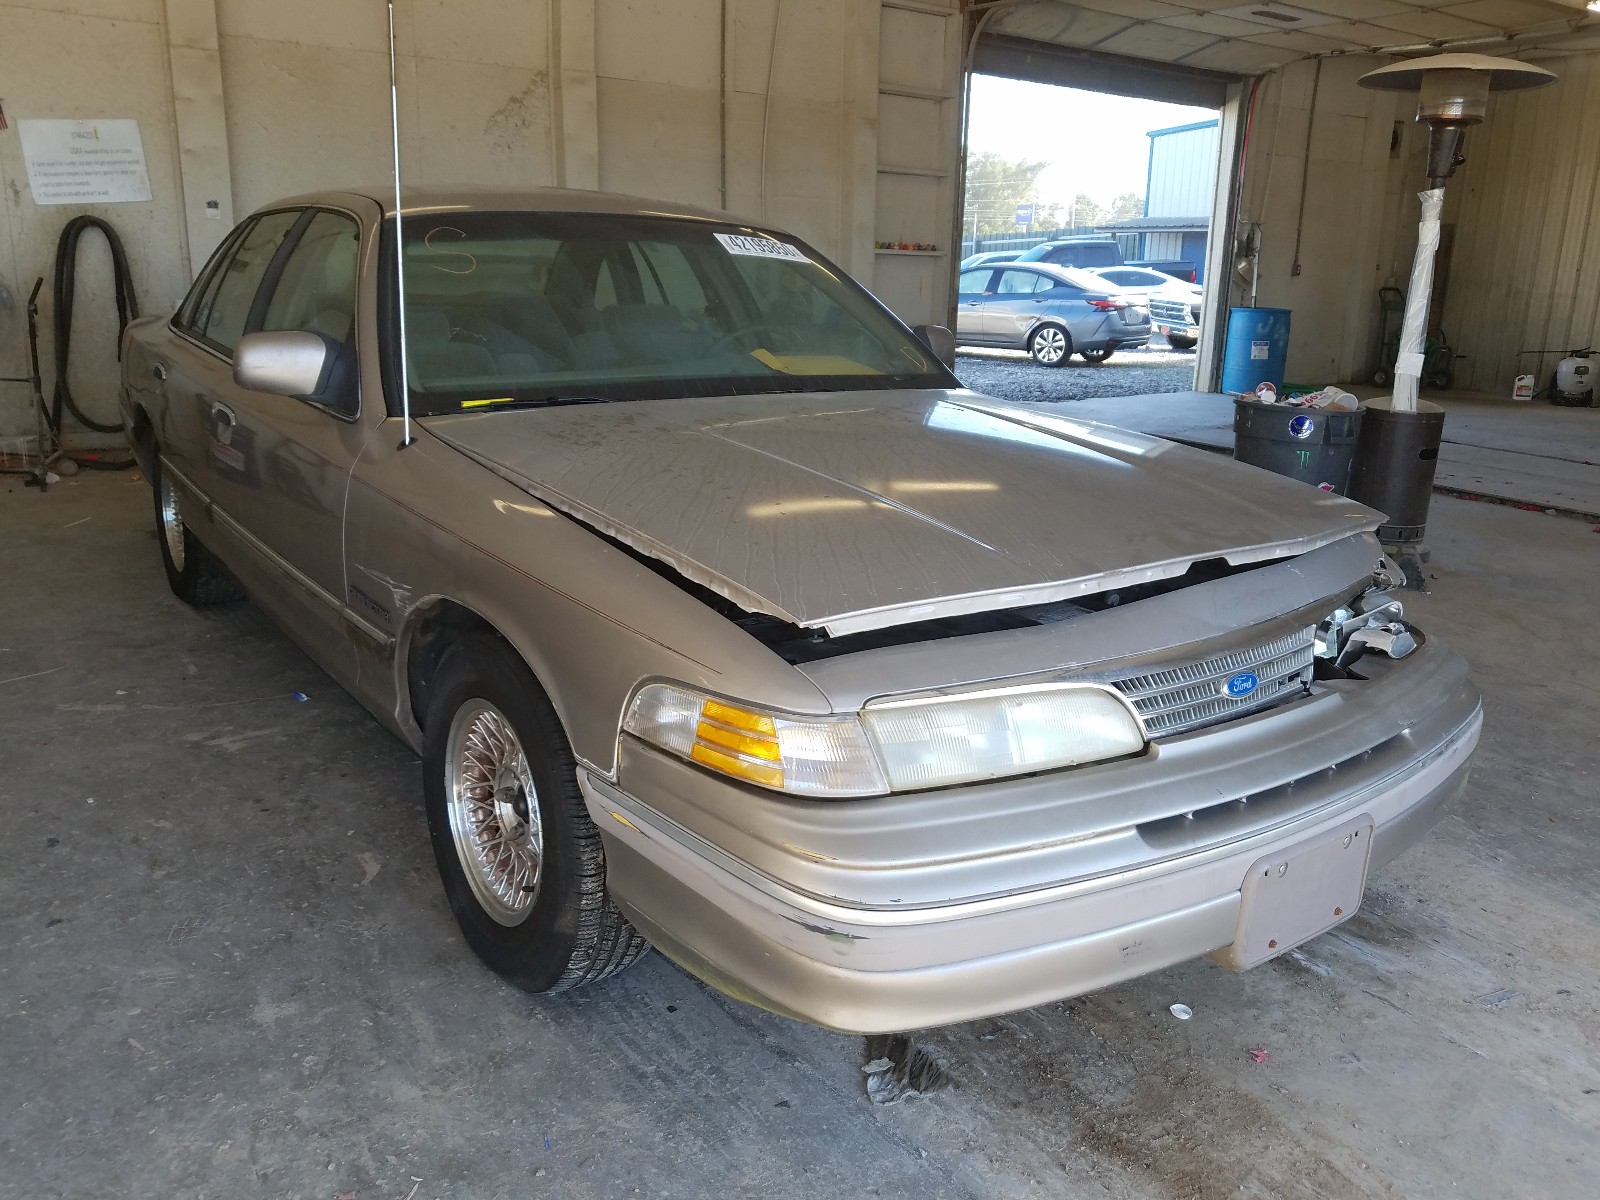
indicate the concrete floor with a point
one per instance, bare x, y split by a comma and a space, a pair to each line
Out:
226, 967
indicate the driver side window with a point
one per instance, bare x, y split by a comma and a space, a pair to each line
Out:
317, 290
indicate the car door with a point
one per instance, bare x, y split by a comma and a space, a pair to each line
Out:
1018, 303
974, 289
198, 438
290, 504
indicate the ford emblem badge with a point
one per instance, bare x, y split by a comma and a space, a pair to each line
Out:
1302, 427
1241, 685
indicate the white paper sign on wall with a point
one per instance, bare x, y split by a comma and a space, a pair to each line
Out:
84, 162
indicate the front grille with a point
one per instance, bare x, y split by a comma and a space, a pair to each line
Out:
1169, 312
1178, 699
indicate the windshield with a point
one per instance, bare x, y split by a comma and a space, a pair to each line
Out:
509, 307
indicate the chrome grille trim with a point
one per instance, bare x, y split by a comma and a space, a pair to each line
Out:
1177, 699
1173, 312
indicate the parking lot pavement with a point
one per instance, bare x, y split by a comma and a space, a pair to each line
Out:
1012, 375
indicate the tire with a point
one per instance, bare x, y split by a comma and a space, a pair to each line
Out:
193, 573
536, 910
1182, 343
1098, 356
1050, 345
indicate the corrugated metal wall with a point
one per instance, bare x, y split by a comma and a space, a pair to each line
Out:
1183, 173
1525, 273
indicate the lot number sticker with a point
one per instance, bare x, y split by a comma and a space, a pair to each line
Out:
759, 247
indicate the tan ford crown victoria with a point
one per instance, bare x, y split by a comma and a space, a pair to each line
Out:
726, 621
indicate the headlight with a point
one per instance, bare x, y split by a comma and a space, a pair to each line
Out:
901, 745
816, 756
1008, 731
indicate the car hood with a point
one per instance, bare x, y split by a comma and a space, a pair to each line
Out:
861, 510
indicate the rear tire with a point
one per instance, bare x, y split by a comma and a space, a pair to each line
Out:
1050, 345
1098, 356
193, 573
521, 863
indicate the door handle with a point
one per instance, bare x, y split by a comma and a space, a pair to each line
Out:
159, 371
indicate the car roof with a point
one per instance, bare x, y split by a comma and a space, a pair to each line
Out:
432, 199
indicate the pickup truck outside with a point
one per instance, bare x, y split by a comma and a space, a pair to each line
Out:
1102, 252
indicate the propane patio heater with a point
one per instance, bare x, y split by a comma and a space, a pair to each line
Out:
1400, 434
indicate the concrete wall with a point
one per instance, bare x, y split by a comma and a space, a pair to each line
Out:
1525, 271
85, 59
1358, 227
770, 108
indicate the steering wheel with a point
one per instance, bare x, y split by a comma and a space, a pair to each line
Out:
723, 340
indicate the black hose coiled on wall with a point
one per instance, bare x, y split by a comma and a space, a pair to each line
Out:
65, 286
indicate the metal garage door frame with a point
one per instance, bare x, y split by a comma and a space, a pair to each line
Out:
1120, 75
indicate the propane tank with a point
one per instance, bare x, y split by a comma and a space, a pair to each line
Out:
1573, 384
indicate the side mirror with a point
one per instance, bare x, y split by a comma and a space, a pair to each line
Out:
287, 363
939, 340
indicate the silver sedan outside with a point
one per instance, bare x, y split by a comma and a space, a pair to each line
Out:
725, 621
1051, 312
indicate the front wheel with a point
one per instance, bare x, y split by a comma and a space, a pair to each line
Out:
1098, 356
521, 863
1178, 342
1050, 345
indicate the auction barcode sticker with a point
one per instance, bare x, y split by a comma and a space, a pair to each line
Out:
759, 247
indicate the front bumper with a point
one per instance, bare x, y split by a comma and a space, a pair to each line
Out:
948, 930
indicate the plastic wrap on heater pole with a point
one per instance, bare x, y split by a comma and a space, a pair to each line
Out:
1414, 330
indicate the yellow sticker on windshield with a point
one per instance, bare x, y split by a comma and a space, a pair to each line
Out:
486, 403
813, 364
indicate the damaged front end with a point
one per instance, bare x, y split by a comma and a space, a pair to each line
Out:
1270, 705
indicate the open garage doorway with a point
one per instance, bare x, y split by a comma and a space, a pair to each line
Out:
1096, 222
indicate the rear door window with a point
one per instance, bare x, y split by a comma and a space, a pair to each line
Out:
221, 316
1021, 283
205, 286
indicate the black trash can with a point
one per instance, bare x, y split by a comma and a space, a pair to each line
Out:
1313, 445
1395, 462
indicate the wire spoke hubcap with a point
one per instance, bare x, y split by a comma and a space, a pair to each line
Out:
494, 812
171, 522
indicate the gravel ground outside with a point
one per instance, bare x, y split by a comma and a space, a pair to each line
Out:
1012, 375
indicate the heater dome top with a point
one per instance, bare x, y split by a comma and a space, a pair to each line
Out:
1505, 74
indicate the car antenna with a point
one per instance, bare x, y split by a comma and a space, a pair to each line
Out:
399, 241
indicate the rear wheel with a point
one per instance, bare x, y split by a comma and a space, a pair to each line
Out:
522, 864
1098, 356
193, 573
1050, 345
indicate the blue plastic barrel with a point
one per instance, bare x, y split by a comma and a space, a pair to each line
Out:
1257, 346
